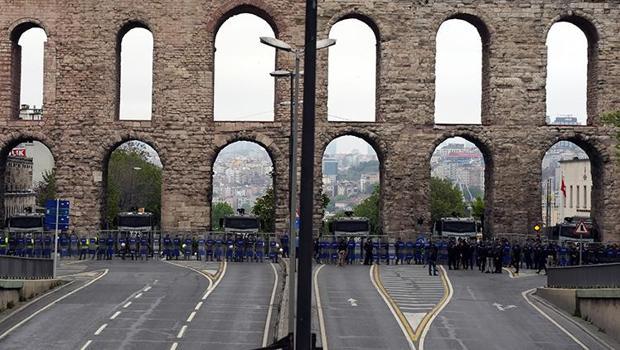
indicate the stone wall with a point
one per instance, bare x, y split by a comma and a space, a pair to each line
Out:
81, 128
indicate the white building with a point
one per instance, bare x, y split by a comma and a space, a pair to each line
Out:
578, 184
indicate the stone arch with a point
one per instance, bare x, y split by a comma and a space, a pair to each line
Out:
236, 7
359, 15
123, 29
486, 148
591, 32
106, 150
16, 30
598, 157
261, 141
11, 142
353, 14
256, 69
377, 144
485, 32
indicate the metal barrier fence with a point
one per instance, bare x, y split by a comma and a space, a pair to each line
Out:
587, 276
25, 268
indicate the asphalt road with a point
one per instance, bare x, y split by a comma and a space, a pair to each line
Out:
135, 305
235, 314
365, 323
140, 305
488, 311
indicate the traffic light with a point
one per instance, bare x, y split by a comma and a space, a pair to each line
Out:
537, 228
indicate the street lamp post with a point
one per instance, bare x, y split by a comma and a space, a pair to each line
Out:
294, 95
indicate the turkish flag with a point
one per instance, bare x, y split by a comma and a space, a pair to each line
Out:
563, 187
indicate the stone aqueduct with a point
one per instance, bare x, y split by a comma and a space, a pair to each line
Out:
81, 83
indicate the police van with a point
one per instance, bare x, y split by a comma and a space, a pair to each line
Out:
138, 226
241, 223
457, 228
22, 230
350, 226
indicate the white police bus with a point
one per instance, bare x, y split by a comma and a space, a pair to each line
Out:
457, 227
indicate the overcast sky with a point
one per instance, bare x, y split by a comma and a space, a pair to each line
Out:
245, 91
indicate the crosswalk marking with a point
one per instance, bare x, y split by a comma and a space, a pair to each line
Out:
415, 293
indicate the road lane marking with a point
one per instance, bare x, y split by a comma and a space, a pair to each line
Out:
105, 272
400, 318
147, 289
442, 304
212, 287
529, 291
138, 295
174, 346
127, 305
98, 331
319, 308
115, 315
191, 316
271, 301
182, 331
198, 306
86, 345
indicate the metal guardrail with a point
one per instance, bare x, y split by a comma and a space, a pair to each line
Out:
585, 276
13, 267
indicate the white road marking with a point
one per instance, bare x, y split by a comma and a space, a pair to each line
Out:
86, 345
430, 321
191, 316
319, 308
501, 307
352, 301
98, 331
214, 285
115, 315
147, 288
174, 346
270, 310
127, 305
525, 293
182, 331
50, 304
138, 295
198, 306
389, 305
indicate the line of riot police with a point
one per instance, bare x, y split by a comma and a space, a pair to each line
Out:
222, 246
487, 255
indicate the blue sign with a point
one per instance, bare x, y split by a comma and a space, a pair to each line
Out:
63, 214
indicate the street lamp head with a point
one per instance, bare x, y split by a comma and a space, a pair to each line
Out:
276, 43
280, 73
137, 168
325, 43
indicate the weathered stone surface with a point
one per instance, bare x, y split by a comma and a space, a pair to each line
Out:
81, 89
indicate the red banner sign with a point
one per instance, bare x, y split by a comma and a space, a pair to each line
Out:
18, 152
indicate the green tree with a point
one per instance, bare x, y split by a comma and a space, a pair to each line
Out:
477, 208
46, 189
446, 199
220, 210
369, 208
133, 182
265, 209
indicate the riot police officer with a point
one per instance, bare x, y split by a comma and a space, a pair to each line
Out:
83, 247
4, 244
167, 247
144, 247
92, 247
110, 247
176, 242
133, 246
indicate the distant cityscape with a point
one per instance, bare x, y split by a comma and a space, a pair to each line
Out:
463, 164
241, 174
